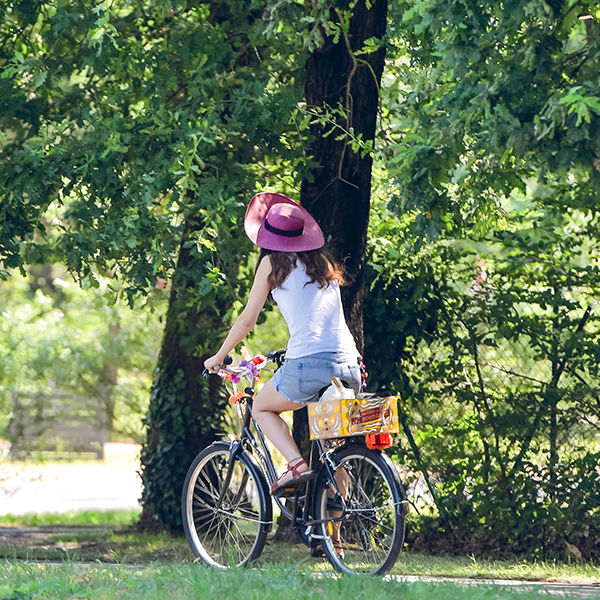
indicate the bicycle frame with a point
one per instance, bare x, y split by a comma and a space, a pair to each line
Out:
257, 444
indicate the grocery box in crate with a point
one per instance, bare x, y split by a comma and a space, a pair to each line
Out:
367, 413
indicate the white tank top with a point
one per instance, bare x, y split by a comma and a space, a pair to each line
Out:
314, 316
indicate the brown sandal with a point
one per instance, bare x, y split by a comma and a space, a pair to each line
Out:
280, 487
337, 546
318, 552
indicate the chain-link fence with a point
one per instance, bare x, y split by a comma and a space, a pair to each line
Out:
499, 381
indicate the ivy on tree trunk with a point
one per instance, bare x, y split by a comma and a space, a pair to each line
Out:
185, 412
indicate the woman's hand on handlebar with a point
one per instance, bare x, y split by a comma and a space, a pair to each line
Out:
213, 364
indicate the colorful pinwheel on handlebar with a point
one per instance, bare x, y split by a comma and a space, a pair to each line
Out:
247, 369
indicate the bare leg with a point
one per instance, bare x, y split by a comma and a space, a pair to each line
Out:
268, 406
341, 478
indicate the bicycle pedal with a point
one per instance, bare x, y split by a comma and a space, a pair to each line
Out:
317, 552
290, 492
293, 485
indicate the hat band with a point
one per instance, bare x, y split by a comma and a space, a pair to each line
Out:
283, 232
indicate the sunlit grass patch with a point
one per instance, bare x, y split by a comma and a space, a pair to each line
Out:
36, 580
107, 545
125, 516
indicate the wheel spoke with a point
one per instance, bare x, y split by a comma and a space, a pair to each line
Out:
233, 531
372, 528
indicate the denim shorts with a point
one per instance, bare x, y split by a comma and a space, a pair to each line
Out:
301, 379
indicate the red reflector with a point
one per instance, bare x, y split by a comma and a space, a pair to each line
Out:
379, 441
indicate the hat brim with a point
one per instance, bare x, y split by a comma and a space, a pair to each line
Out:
256, 214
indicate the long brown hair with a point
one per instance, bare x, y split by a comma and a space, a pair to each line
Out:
320, 266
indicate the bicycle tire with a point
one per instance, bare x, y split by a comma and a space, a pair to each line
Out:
234, 533
372, 531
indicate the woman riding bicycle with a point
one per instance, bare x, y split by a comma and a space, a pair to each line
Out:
301, 277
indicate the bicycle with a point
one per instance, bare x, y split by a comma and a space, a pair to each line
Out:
227, 507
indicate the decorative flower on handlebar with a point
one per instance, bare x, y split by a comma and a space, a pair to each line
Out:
258, 362
251, 366
235, 398
233, 377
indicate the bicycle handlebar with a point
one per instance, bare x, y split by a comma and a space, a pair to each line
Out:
247, 369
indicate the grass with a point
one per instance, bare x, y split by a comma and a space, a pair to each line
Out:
128, 548
111, 540
482, 568
86, 517
33, 581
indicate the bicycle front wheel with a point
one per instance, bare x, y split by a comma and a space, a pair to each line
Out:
226, 510
371, 531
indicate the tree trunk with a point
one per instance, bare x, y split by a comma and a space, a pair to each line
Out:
185, 412
338, 191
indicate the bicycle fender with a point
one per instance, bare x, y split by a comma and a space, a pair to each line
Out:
392, 467
389, 463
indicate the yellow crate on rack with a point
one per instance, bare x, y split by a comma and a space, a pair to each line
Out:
367, 413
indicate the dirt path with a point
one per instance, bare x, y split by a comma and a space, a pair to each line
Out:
558, 588
38, 538
67, 486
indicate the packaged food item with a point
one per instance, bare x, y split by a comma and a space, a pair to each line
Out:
336, 391
360, 414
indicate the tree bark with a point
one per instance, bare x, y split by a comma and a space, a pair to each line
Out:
337, 191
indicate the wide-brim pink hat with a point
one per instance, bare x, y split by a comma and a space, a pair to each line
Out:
275, 222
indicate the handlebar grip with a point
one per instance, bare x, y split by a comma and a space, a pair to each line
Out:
227, 361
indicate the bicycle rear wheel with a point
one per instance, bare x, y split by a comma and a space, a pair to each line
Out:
231, 531
372, 529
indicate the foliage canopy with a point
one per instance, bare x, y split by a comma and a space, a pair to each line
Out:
491, 143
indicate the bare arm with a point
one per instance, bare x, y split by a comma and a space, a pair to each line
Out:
247, 319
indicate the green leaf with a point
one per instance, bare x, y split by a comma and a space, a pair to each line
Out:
39, 78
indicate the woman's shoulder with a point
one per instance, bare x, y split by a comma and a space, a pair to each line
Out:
264, 267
